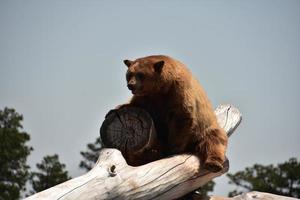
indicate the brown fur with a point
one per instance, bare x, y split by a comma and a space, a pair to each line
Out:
182, 113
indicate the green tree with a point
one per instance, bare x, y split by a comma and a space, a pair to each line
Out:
283, 179
90, 156
200, 193
13, 155
205, 189
50, 173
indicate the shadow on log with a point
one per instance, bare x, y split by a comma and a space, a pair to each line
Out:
168, 178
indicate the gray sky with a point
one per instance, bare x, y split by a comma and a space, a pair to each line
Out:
61, 67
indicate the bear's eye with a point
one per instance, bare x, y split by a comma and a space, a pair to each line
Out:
128, 76
140, 76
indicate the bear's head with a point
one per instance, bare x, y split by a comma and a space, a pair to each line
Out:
144, 76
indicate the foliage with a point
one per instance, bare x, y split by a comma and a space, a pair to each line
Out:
200, 193
51, 172
283, 179
13, 155
91, 155
208, 187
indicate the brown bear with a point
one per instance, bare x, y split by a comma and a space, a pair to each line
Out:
181, 111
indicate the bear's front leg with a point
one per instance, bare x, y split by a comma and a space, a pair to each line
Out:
179, 134
212, 148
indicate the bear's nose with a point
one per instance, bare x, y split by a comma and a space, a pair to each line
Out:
130, 86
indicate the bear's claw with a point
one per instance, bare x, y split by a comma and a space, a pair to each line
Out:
213, 166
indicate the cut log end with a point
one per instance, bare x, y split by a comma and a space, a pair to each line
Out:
132, 131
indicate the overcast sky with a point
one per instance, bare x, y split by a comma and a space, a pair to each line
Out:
61, 67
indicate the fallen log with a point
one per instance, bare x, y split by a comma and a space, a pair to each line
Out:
168, 178
254, 196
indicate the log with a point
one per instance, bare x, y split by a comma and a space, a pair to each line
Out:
254, 196
168, 178
131, 130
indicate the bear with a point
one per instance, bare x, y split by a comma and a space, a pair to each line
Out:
182, 113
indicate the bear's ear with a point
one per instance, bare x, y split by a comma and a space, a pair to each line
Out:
127, 62
158, 66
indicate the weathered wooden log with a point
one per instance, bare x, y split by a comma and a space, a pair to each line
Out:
168, 178
254, 196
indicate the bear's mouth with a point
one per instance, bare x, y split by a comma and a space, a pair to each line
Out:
137, 92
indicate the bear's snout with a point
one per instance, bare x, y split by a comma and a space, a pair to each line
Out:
131, 86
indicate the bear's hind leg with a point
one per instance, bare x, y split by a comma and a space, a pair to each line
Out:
212, 148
